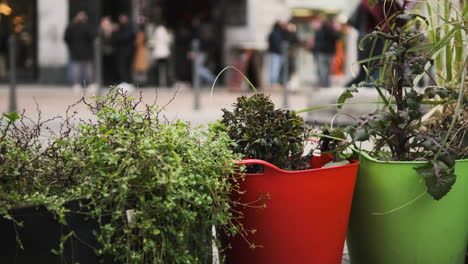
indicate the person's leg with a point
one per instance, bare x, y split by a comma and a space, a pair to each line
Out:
89, 72
105, 70
128, 67
321, 69
75, 72
365, 53
361, 76
275, 68
328, 63
162, 69
121, 69
204, 73
82, 78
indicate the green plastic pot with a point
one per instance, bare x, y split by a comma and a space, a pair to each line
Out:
394, 220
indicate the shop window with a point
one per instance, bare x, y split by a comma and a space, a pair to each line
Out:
236, 13
18, 18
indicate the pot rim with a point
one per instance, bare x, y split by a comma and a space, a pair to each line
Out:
366, 155
352, 163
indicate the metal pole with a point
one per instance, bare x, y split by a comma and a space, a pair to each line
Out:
285, 68
98, 65
12, 58
195, 76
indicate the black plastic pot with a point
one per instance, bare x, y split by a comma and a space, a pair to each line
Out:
40, 233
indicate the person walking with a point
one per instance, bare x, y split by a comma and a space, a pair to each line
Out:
107, 34
125, 50
204, 73
275, 40
292, 83
324, 49
79, 38
141, 63
365, 18
161, 42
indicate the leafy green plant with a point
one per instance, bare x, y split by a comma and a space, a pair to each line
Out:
28, 162
155, 189
333, 141
398, 131
262, 132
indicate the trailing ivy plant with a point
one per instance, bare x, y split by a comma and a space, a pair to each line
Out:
155, 189
398, 131
262, 132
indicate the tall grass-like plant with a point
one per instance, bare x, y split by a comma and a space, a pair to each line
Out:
448, 32
399, 131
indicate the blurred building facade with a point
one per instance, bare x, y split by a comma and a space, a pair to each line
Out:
228, 25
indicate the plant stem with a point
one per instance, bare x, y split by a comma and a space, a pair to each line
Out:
457, 108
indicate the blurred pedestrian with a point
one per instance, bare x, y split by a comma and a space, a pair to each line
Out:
292, 83
125, 49
324, 49
200, 59
275, 39
161, 41
3, 49
365, 19
107, 34
141, 63
79, 38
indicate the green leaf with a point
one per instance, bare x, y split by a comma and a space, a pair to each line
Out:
12, 116
448, 159
361, 135
425, 171
438, 177
345, 96
364, 40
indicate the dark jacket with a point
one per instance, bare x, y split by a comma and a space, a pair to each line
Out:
275, 39
196, 33
108, 43
125, 39
79, 38
325, 39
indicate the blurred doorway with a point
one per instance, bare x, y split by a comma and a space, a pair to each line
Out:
178, 16
19, 18
114, 8
96, 9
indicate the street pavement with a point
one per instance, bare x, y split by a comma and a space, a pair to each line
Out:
179, 104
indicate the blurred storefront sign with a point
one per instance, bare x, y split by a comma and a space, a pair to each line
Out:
306, 7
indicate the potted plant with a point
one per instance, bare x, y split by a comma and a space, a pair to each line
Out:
292, 208
412, 186
145, 190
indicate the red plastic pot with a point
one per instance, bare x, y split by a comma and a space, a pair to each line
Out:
306, 214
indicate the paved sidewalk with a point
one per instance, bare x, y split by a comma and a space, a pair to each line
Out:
53, 100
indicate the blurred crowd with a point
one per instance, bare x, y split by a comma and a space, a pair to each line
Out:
326, 44
283, 44
133, 54
127, 52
